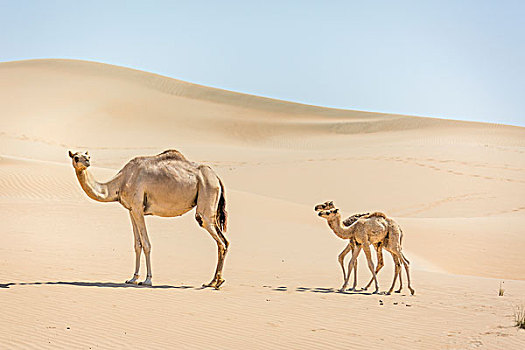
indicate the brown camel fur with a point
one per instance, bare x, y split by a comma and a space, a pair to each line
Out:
351, 244
165, 185
374, 229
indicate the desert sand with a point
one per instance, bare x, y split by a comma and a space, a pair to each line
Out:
456, 188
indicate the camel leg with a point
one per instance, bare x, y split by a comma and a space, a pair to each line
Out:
222, 249
138, 251
405, 263
209, 192
397, 272
355, 276
351, 265
138, 217
380, 263
366, 248
400, 277
341, 259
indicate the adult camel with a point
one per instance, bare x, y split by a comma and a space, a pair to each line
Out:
166, 185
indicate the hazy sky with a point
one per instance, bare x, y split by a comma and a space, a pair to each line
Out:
455, 59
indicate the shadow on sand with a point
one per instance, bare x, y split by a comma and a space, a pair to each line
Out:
124, 285
320, 290
94, 284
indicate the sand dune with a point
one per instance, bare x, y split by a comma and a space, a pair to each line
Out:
456, 188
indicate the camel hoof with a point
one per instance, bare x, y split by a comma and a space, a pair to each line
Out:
146, 283
388, 293
375, 291
219, 284
131, 282
398, 291
412, 292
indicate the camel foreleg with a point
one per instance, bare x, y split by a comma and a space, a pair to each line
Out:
341, 259
138, 251
351, 264
138, 218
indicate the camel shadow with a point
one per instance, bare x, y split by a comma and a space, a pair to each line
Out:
164, 286
332, 290
321, 290
93, 284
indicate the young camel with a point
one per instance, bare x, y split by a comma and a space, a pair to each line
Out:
166, 185
363, 232
370, 229
395, 234
351, 244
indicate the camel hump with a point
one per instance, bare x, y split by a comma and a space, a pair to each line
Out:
376, 214
171, 154
350, 220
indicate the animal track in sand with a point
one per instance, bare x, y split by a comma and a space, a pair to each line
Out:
427, 163
419, 208
515, 210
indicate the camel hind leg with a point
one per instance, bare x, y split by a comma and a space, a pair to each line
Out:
400, 277
407, 270
222, 249
366, 248
397, 272
380, 263
354, 286
209, 194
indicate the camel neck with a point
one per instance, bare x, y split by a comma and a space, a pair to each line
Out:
336, 226
101, 192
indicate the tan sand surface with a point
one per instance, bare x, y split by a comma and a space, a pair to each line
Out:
456, 188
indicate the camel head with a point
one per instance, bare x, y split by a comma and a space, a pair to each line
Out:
325, 206
328, 214
80, 160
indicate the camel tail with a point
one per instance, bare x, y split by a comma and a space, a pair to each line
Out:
222, 214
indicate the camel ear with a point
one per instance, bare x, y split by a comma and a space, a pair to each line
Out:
336, 211
331, 203
70, 154
87, 153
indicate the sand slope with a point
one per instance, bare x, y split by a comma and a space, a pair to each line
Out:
456, 188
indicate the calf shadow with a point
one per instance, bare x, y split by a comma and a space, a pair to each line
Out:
331, 290
320, 290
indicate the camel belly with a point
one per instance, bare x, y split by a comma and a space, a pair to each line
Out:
160, 190
377, 231
169, 203
159, 210
377, 237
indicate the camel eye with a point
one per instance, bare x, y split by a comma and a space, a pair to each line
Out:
76, 159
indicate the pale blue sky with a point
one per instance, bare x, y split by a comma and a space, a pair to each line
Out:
454, 59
